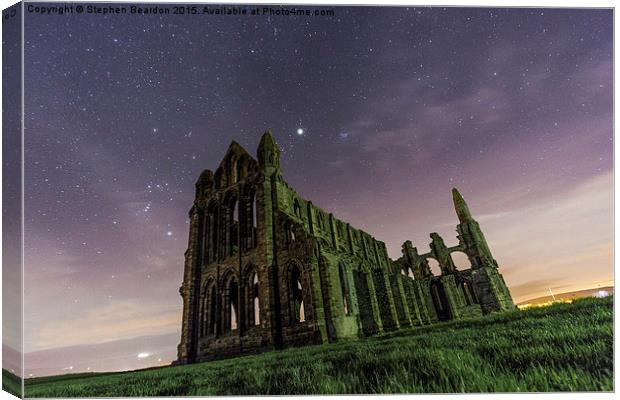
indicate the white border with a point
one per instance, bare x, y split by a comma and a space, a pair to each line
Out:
480, 3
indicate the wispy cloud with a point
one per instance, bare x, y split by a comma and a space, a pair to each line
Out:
117, 320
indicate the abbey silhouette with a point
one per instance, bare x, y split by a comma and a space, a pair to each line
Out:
266, 269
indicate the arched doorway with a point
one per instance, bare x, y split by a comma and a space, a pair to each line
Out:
440, 301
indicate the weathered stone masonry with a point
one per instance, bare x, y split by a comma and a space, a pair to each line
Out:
266, 269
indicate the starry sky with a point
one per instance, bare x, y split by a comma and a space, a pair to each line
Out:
379, 113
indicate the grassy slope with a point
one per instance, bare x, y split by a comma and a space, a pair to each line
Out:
565, 347
11, 383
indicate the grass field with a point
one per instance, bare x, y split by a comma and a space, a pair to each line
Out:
563, 347
11, 383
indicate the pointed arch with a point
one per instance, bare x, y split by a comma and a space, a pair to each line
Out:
255, 288
289, 233
344, 289
231, 221
208, 309
440, 300
230, 303
252, 297
296, 289
468, 291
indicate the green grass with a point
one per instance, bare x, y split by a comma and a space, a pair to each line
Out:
11, 383
564, 347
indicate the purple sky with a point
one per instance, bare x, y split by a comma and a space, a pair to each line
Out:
397, 106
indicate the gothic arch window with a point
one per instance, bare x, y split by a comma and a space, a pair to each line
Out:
296, 295
203, 314
209, 299
468, 293
440, 301
212, 321
289, 235
435, 292
344, 288
255, 299
232, 222
320, 222
410, 273
234, 208
230, 302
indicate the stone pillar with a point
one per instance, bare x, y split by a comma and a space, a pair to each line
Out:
491, 290
414, 309
385, 300
400, 300
372, 292
487, 282
364, 303
452, 294
327, 293
424, 290
422, 300
190, 292
317, 296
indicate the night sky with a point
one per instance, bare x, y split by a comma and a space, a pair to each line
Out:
379, 113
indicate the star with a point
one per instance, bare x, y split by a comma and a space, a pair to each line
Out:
300, 131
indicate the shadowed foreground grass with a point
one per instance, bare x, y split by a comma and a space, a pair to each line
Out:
11, 383
564, 347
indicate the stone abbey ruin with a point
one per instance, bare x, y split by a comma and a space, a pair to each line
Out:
267, 269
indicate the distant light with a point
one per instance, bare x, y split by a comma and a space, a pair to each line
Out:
300, 131
144, 355
169, 233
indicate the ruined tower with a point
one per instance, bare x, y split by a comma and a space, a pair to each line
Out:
266, 268
488, 283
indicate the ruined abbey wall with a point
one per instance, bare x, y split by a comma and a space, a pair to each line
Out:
266, 268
